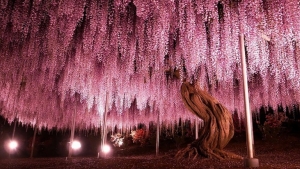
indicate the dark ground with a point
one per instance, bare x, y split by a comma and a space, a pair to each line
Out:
277, 149
281, 152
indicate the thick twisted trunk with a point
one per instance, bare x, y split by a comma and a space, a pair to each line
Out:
218, 124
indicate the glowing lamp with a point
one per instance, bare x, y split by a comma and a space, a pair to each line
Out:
76, 145
12, 145
106, 149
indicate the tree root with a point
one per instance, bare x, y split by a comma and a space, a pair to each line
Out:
228, 155
192, 152
188, 152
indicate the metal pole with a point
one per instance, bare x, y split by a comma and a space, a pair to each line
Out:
250, 161
104, 128
196, 129
33, 140
72, 134
182, 131
157, 134
13, 134
173, 128
105, 118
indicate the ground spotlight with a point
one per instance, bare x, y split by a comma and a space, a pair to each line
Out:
106, 149
12, 145
76, 145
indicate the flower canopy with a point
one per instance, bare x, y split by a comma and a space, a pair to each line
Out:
61, 59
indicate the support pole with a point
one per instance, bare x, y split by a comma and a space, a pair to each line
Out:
196, 129
33, 140
13, 134
157, 134
249, 161
182, 131
104, 128
72, 134
173, 128
15, 125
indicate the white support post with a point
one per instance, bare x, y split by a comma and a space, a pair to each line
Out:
33, 140
157, 134
196, 129
14, 130
13, 134
249, 161
72, 135
104, 128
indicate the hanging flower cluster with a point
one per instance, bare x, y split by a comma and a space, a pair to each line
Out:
61, 59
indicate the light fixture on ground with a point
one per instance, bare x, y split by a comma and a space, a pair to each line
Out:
105, 149
76, 145
12, 145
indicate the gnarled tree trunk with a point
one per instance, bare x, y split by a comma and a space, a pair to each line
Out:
218, 124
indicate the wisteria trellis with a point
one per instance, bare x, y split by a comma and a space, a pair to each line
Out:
61, 58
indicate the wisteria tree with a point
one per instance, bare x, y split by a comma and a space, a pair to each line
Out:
218, 127
64, 59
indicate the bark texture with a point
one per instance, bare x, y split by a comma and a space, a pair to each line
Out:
218, 124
